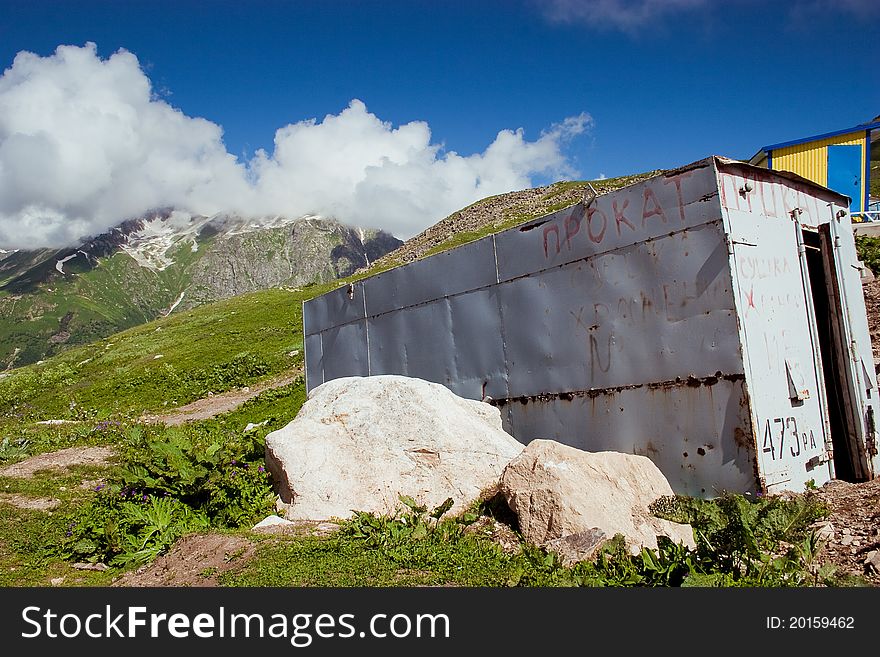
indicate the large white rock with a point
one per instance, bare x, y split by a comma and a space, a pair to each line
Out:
359, 442
572, 501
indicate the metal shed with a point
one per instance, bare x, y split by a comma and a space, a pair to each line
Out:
710, 318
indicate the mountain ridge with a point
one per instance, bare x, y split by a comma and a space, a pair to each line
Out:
166, 261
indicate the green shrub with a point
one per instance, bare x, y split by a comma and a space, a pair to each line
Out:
239, 495
172, 481
123, 527
218, 471
868, 251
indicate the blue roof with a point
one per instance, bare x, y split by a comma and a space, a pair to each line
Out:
858, 128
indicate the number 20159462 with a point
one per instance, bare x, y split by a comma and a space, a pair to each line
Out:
810, 622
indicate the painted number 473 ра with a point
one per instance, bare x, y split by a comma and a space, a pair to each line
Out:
782, 432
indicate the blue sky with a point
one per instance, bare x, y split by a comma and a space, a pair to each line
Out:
663, 83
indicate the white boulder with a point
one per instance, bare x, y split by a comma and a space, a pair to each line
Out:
359, 443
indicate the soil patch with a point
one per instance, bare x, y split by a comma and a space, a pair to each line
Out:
872, 306
195, 560
855, 522
60, 460
34, 503
213, 405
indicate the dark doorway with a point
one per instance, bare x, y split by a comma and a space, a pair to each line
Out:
828, 316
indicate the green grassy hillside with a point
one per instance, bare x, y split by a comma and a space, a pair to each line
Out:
165, 363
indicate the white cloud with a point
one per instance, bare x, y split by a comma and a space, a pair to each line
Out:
626, 15
631, 15
84, 143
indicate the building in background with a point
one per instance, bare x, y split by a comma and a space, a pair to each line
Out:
840, 160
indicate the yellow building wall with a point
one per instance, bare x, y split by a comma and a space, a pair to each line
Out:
810, 160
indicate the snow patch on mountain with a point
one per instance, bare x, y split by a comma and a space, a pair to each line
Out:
59, 264
174, 305
150, 245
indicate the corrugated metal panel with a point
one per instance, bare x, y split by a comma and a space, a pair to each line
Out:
340, 306
344, 351
415, 341
466, 351
480, 362
697, 435
810, 160
462, 269
628, 216
625, 317
314, 361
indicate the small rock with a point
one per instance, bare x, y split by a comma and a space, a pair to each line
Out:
278, 525
158, 356
56, 581
251, 425
90, 566
824, 530
325, 528
846, 539
272, 521
872, 561
498, 532
582, 546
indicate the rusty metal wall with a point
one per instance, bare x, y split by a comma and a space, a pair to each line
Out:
625, 302
697, 433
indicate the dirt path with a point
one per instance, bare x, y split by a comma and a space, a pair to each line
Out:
195, 560
63, 458
208, 407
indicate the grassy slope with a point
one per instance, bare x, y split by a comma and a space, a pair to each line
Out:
115, 295
165, 363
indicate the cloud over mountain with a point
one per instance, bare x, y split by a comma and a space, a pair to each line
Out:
85, 143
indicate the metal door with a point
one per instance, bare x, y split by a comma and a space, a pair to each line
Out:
852, 375
784, 374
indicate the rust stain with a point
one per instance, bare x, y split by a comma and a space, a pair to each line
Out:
742, 439
537, 224
649, 450
592, 393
